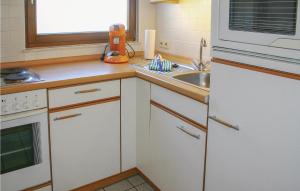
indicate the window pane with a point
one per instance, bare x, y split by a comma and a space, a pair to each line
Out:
74, 16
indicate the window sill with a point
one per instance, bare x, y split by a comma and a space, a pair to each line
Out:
99, 46
70, 50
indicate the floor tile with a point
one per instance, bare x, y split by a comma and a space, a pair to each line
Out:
120, 186
144, 187
136, 180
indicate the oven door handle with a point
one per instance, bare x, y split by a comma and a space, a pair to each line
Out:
22, 114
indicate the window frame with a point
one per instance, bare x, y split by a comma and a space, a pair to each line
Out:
35, 40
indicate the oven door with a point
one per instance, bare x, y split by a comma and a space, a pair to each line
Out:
24, 150
272, 23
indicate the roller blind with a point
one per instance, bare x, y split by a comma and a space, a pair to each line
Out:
264, 16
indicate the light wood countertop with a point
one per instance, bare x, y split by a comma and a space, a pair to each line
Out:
68, 74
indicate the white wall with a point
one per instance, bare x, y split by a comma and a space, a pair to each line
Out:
13, 34
182, 26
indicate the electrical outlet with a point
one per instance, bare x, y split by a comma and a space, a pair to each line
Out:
161, 44
164, 44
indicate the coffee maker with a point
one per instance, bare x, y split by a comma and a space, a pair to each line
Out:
117, 45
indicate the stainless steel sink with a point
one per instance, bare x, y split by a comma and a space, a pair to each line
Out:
199, 79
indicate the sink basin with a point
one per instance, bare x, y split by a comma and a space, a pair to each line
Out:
199, 79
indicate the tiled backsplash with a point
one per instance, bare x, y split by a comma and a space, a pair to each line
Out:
13, 34
12, 29
182, 26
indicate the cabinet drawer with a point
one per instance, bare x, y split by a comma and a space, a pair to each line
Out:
185, 106
83, 93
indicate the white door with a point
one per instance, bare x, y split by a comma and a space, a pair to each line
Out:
264, 154
177, 153
85, 145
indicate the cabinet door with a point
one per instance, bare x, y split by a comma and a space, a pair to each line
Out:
85, 145
264, 154
128, 123
177, 153
135, 116
142, 125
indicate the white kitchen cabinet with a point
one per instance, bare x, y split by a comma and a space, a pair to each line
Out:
264, 154
142, 125
135, 116
177, 153
128, 123
85, 145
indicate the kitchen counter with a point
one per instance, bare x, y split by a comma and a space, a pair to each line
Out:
74, 73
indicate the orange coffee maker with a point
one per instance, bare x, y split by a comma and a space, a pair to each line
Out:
117, 45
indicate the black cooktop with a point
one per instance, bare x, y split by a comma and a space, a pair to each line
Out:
18, 76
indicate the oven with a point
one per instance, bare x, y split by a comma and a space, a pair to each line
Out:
24, 144
266, 27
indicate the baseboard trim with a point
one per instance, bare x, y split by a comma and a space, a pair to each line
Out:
49, 183
104, 182
108, 181
116, 178
148, 180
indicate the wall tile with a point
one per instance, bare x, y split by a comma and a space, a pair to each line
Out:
183, 25
17, 11
4, 11
5, 38
5, 24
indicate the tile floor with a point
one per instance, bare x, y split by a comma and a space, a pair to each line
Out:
134, 183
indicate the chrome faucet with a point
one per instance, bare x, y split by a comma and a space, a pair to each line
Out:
200, 65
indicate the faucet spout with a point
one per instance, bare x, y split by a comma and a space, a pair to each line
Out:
202, 44
200, 65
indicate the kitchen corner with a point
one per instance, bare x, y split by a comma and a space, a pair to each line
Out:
150, 95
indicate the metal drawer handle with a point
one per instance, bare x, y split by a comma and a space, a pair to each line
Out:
87, 91
67, 117
235, 127
183, 129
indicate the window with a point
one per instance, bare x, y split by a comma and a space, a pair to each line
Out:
66, 22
